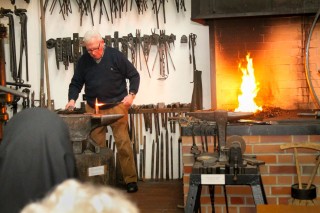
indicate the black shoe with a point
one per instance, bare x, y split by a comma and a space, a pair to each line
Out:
132, 187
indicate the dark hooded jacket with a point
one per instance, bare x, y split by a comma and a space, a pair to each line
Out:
35, 155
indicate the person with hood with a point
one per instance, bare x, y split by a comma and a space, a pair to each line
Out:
35, 156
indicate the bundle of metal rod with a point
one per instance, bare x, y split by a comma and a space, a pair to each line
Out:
115, 8
150, 127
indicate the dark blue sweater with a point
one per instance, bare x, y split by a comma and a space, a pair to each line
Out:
106, 80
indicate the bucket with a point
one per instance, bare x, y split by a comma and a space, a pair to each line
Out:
303, 194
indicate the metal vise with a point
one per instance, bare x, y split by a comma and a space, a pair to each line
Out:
81, 126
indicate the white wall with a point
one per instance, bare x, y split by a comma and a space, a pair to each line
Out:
176, 88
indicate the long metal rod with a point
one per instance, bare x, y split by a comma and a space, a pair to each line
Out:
307, 68
13, 91
45, 53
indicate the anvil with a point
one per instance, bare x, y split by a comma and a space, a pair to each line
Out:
81, 126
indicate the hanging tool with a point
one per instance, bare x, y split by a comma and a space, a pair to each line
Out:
161, 54
132, 49
12, 44
23, 43
102, 6
124, 45
156, 11
76, 52
146, 46
180, 4
197, 97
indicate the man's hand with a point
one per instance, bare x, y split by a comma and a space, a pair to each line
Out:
70, 105
128, 100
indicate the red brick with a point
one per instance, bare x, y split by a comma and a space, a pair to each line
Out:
307, 159
316, 180
249, 149
314, 138
187, 169
248, 209
267, 158
284, 200
186, 140
281, 190
186, 149
285, 180
285, 158
300, 138
307, 170
186, 179
249, 201
269, 180
185, 190
282, 169
205, 200
272, 200
266, 149
219, 200
276, 138
218, 209
233, 209
239, 190
251, 139
237, 200
264, 169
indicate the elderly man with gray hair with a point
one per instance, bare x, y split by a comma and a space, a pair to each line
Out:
104, 71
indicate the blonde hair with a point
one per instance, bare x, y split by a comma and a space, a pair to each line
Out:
71, 196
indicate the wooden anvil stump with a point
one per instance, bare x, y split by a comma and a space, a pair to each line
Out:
94, 164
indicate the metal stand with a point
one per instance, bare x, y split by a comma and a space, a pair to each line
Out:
226, 166
197, 180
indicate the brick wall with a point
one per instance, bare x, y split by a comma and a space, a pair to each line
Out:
277, 47
278, 174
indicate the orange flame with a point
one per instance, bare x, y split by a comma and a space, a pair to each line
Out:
249, 89
97, 104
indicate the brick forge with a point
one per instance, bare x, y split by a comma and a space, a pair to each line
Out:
278, 174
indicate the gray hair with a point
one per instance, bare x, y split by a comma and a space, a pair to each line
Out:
90, 35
